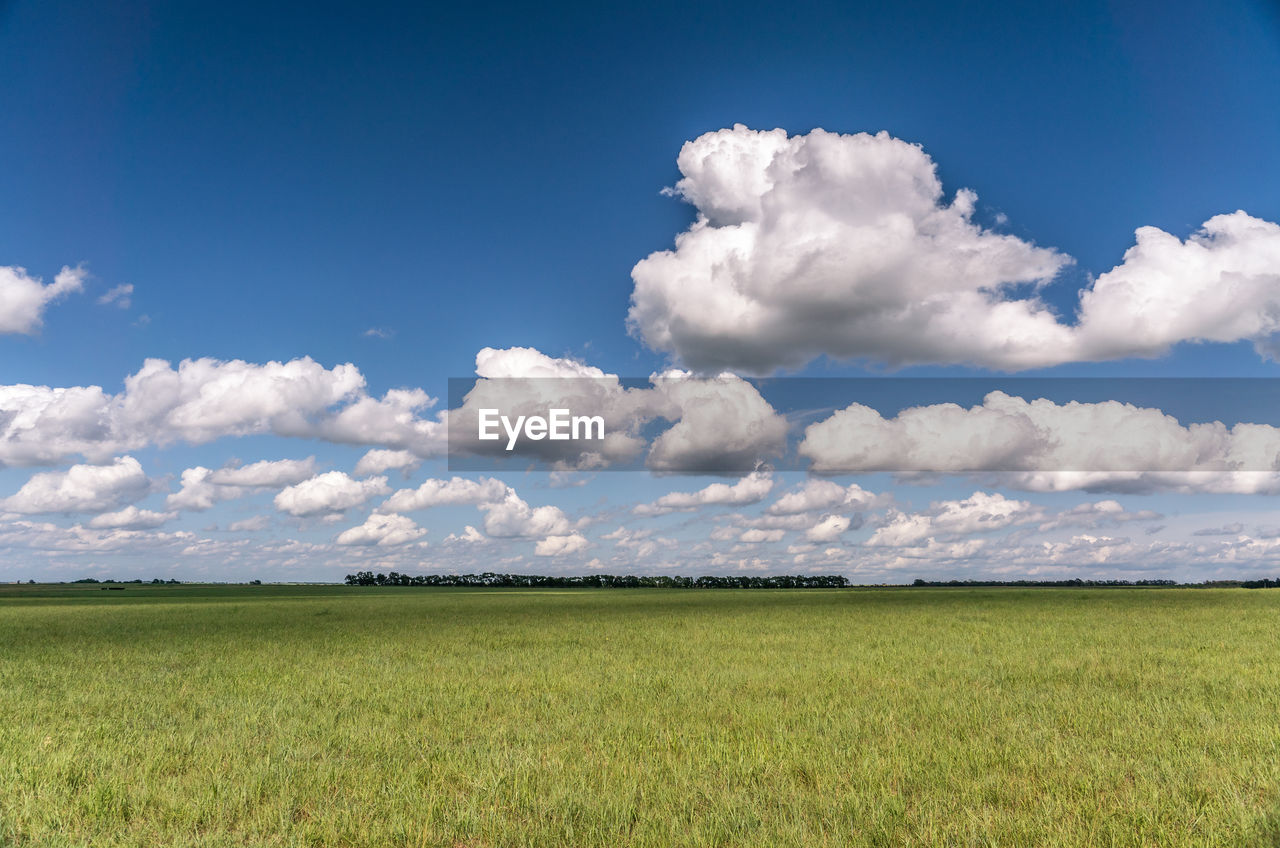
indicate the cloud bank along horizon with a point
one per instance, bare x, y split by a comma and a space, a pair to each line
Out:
805, 248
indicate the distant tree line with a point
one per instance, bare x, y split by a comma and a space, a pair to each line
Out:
599, 581
156, 582
784, 581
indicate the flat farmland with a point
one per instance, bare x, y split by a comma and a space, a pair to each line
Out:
348, 716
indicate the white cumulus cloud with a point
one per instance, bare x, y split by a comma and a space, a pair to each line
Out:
753, 488
81, 488
202, 487
815, 494
329, 493
383, 530
721, 424
552, 546
206, 399
451, 492
1040, 445
833, 244
829, 529
381, 460
717, 424
1220, 285
846, 246
979, 513
468, 536
512, 517
23, 298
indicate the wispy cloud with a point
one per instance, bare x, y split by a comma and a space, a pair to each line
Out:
121, 296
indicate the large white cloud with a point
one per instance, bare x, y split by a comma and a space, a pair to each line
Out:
40, 425
829, 529
382, 530
23, 298
815, 494
719, 424
513, 517
392, 421
328, 493
1046, 446
451, 492
756, 535
553, 546
811, 495
834, 244
524, 381
380, 460
750, 489
196, 492
202, 487
1220, 285
81, 488
206, 399
468, 536
979, 513
845, 246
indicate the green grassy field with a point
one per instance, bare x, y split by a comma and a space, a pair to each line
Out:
347, 716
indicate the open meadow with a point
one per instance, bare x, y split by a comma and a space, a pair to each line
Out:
336, 716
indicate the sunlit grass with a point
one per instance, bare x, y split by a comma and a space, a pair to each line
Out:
356, 716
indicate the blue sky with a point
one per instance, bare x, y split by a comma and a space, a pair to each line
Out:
275, 181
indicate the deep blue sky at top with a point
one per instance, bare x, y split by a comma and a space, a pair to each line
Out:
277, 178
